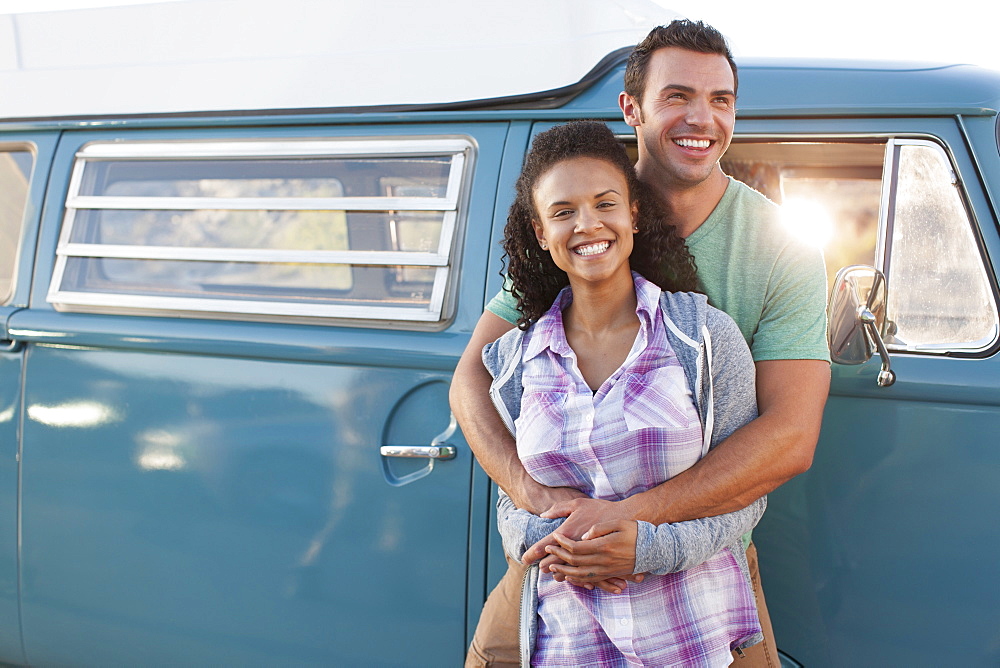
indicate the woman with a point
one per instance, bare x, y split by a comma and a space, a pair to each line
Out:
612, 385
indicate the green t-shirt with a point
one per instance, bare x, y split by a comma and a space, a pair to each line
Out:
772, 285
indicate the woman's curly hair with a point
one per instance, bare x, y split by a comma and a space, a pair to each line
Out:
662, 256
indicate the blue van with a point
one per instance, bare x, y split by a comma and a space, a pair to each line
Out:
227, 336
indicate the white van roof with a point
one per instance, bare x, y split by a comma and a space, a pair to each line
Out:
207, 55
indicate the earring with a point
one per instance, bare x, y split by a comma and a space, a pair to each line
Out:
545, 246
635, 228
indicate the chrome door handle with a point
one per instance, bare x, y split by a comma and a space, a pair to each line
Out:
425, 451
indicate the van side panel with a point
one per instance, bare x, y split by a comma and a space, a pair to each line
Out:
884, 552
213, 492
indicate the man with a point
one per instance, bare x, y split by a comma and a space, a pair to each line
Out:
680, 96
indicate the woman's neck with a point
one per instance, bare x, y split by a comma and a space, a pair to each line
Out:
601, 325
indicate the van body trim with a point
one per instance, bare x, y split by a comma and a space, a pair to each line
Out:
267, 203
367, 258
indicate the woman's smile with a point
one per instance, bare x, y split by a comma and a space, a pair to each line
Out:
592, 249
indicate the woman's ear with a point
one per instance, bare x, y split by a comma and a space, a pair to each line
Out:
635, 216
539, 234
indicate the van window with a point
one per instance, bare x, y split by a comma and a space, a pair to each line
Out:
303, 229
15, 173
939, 294
892, 203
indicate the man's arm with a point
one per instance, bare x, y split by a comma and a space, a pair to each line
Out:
754, 460
486, 433
628, 546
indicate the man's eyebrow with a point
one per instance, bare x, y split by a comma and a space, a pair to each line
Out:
681, 88
688, 89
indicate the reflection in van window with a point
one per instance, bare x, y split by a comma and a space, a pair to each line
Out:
355, 229
15, 172
939, 293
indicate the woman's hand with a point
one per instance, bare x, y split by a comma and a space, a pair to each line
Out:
581, 515
611, 548
611, 585
606, 551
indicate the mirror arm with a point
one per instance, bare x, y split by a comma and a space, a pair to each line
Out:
886, 376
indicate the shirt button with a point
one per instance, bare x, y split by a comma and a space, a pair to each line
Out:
624, 622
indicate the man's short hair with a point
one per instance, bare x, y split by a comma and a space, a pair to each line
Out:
691, 35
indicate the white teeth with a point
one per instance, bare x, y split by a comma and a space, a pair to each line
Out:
592, 249
693, 143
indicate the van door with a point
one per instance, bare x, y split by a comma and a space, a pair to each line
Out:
883, 553
238, 448
24, 161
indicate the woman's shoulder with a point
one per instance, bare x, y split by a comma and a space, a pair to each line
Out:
683, 303
690, 311
497, 354
687, 310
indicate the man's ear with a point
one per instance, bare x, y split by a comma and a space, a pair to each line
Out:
630, 109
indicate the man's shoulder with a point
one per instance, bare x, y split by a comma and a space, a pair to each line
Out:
504, 305
751, 204
757, 226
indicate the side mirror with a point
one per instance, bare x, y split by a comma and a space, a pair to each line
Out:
856, 316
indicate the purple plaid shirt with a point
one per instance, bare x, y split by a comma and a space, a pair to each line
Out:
639, 429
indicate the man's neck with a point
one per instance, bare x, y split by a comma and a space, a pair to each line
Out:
689, 206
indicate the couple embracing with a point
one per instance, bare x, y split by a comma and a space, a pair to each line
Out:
633, 426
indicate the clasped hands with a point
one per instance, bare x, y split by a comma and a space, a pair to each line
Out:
594, 547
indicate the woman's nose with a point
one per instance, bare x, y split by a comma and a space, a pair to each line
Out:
587, 221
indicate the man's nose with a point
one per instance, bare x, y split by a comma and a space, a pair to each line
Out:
699, 113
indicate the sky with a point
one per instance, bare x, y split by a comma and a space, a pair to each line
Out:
881, 29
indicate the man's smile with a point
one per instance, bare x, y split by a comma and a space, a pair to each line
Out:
684, 142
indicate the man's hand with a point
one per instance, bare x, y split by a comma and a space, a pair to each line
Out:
549, 499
